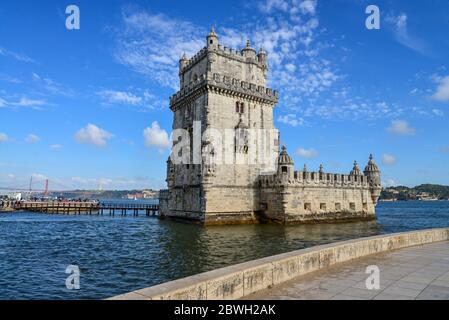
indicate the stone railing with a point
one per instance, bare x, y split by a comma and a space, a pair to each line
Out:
246, 278
315, 179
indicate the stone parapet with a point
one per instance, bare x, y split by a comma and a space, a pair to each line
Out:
225, 85
310, 179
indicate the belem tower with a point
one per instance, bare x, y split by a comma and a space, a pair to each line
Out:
223, 89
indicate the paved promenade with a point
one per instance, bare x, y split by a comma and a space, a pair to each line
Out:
420, 272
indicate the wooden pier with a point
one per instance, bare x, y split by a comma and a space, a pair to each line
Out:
72, 207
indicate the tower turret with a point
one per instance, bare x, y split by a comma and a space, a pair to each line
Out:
262, 57
355, 170
285, 164
372, 172
183, 62
212, 39
248, 51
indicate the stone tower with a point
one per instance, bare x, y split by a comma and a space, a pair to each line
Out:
222, 99
226, 166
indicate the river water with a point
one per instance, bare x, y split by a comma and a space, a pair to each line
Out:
120, 254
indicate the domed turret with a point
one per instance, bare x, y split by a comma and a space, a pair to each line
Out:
248, 51
212, 39
356, 170
284, 158
371, 166
262, 57
183, 62
285, 163
372, 172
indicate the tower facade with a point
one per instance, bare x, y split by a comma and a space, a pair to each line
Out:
226, 166
222, 109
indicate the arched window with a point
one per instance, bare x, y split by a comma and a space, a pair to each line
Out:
237, 107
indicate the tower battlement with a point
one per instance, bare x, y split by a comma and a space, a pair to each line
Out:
224, 83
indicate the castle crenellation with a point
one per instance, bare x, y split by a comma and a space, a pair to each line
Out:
223, 82
224, 90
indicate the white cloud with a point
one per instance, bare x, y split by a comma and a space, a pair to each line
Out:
17, 56
55, 147
399, 25
156, 137
3, 103
3, 137
269, 5
151, 44
32, 138
121, 97
26, 102
438, 112
290, 67
51, 86
389, 183
388, 159
91, 134
291, 119
308, 6
401, 128
306, 153
442, 91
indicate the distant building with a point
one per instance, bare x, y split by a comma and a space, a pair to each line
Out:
224, 89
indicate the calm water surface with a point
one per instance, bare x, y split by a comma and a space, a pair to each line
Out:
121, 254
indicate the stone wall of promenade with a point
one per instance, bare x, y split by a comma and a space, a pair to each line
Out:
246, 278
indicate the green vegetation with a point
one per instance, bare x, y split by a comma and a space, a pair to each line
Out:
422, 192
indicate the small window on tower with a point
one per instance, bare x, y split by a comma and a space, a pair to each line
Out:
237, 107
211, 41
284, 169
242, 107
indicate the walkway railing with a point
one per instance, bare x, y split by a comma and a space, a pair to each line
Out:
78, 207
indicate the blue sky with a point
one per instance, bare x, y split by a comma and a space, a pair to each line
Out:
88, 108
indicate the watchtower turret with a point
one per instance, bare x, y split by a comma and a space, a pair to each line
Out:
355, 170
262, 57
285, 164
248, 51
183, 62
212, 39
372, 172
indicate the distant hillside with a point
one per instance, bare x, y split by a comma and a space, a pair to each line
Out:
107, 194
422, 192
